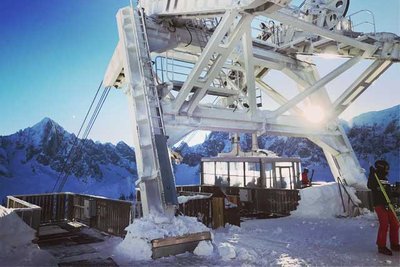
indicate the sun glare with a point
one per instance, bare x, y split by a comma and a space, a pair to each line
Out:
314, 114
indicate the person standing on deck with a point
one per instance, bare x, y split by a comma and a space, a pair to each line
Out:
304, 178
386, 217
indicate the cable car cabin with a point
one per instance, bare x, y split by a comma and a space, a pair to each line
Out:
266, 186
251, 172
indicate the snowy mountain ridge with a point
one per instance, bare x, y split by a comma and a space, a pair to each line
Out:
382, 118
32, 159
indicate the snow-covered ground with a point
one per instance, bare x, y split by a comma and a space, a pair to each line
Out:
312, 236
289, 241
305, 238
16, 247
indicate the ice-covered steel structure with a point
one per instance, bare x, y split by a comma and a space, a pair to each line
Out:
189, 65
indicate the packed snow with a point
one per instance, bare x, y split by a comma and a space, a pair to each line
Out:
324, 201
185, 199
137, 242
16, 245
289, 241
313, 235
204, 248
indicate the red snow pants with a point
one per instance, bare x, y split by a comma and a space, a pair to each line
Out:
386, 219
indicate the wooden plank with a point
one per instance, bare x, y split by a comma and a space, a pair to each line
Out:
44, 204
169, 241
217, 212
70, 207
60, 214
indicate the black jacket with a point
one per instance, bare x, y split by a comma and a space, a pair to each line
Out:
377, 196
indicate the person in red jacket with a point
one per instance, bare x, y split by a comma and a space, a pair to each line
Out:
386, 217
304, 178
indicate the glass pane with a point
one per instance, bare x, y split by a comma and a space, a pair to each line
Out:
252, 174
236, 181
221, 174
283, 178
236, 174
209, 179
268, 175
236, 168
209, 173
268, 166
221, 168
208, 167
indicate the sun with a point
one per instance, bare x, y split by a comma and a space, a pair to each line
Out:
314, 114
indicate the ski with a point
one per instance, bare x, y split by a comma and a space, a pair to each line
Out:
386, 197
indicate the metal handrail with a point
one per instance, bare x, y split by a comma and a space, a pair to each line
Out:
275, 34
365, 22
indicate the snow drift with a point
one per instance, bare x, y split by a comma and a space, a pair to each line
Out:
323, 201
16, 244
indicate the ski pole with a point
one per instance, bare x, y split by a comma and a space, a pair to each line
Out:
347, 192
386, 197
312, 175
341, 196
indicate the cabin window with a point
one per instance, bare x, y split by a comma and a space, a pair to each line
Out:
236, 174
209, 172
269, 175
284, 175
221, 174
253, 176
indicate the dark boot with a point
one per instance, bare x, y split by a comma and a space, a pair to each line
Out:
385, 250
395, 247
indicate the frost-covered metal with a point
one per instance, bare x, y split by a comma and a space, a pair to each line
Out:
209, 69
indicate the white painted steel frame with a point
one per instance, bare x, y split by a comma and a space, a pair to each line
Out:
232, 40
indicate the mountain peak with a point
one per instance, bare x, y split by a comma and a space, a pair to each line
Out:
44, 122
43, 130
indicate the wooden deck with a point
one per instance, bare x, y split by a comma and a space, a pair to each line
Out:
72, 245
74, 227
76, 245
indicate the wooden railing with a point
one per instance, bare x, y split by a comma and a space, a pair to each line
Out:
216, 213
113, 216
210, 211
200, 208
271, 201
28, 212
107, 215
260, 200
55, 207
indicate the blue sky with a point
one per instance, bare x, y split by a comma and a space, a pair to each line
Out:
53, 54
